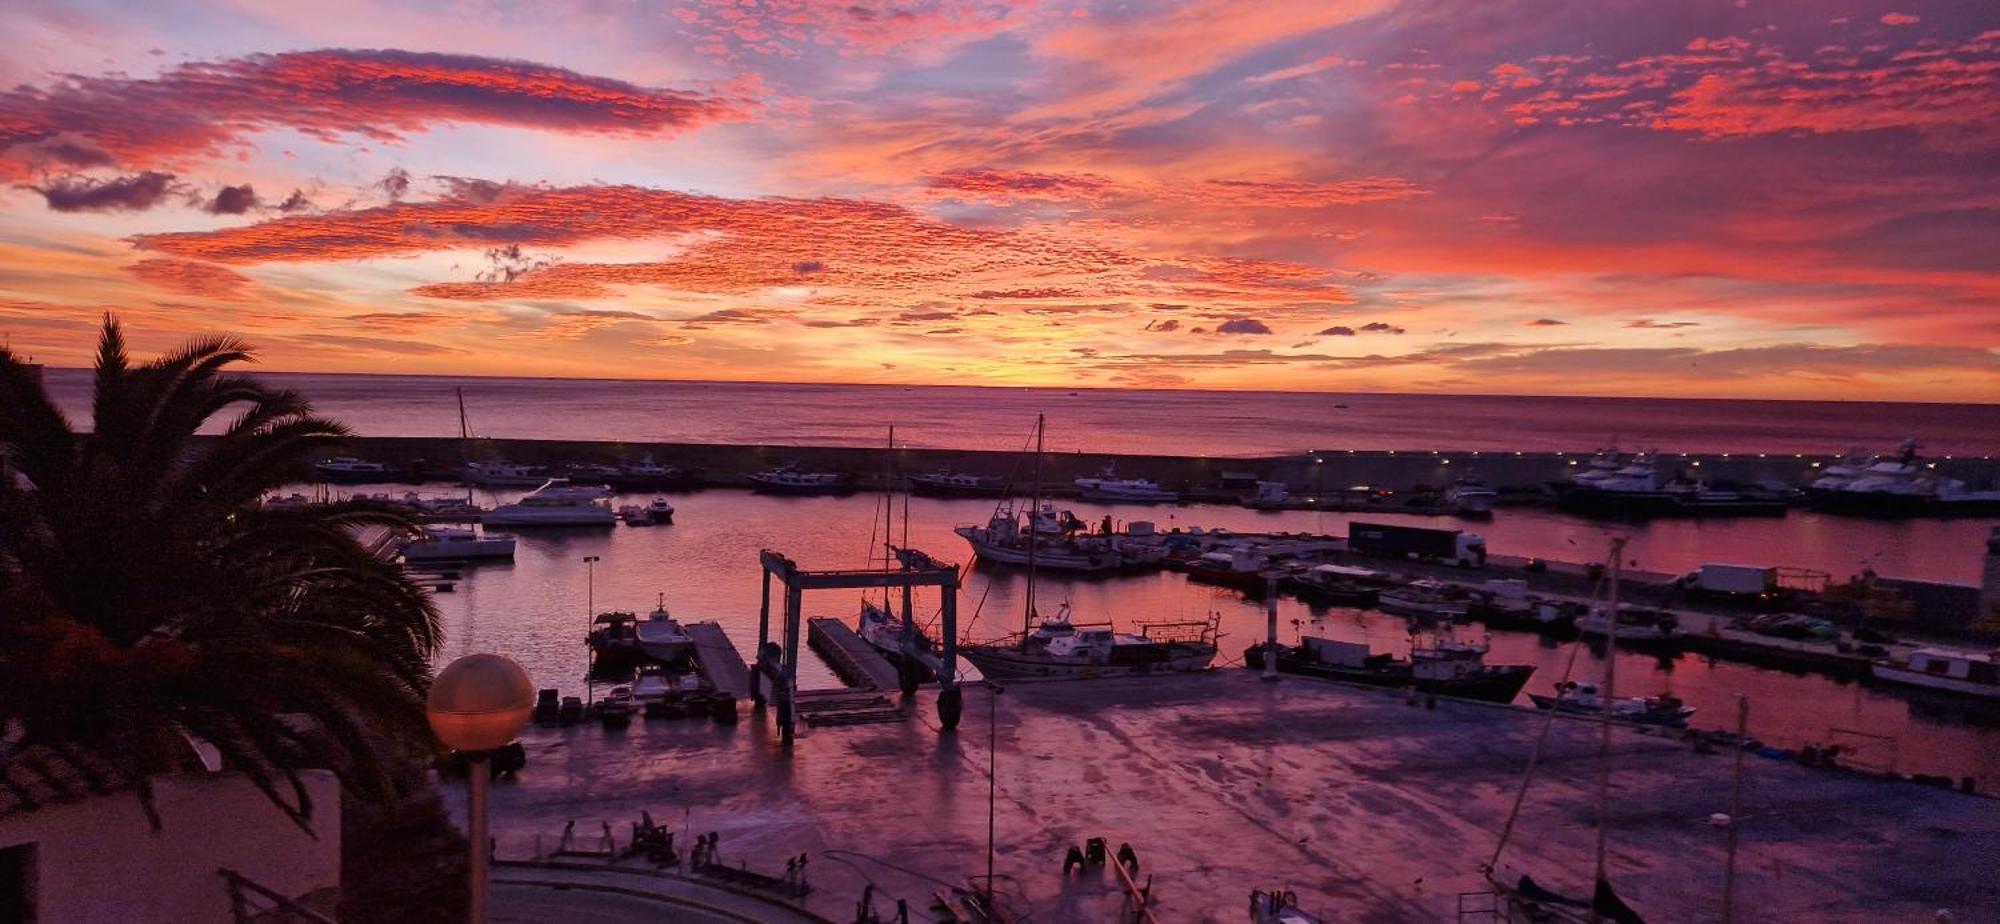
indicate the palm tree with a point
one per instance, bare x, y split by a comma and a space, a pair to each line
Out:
147, 601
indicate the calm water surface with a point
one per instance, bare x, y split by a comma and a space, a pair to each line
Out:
1187, 423
535, 609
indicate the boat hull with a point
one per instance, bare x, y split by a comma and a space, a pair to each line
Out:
1890, 673
1357, 597
1497, 684
1011, 663
929, 488
1047, 559
788, 489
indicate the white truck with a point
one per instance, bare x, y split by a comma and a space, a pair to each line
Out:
1741, 581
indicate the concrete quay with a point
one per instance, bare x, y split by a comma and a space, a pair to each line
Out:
1369, 807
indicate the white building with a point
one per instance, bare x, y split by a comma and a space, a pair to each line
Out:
77, 848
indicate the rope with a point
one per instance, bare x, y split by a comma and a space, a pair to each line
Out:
1535, 757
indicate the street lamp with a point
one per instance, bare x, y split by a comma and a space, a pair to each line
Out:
477, 705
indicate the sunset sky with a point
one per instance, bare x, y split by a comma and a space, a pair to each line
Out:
1741, 198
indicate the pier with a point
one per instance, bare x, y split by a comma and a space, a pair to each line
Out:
854, 660
1367, 806
715, 656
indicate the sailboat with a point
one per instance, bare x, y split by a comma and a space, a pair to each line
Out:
1526, 899
915, 655
1062, 648
493, 474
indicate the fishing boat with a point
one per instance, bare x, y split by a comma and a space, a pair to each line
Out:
448, 543
947, 483
350, 470
659, 512
1962, 672
1336, 585
1471, 498
1444, 667
1003, 541
1238, 569
1108, 487
643, 475
556, 503
614, 639
1582, 698
503, 475
1059, 648
1426, 599
789, 479
661, 638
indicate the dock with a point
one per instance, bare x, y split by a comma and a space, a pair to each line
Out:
718, 660
854, 660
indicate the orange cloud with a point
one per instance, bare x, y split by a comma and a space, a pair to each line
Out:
191, 278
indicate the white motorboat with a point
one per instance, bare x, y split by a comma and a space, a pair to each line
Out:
442, 507
1636, 626
1426, 599
1060, 648
1107, 486
1903, 485
1471, 497
556, 503
503, 475
661, 638
1583, 698
656, 513
948, 483
448, 543
1962, 672
350, 470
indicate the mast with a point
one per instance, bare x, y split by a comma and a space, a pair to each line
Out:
1034, 521
888, 513
464, 431
1608, 695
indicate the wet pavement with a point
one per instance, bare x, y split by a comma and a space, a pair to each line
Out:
1368, 807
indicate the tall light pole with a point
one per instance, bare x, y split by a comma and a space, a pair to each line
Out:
589, 614
477, 705
993, 691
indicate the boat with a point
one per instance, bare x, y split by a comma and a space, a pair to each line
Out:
350, 470
1426, 599
789, 479
451, 543
1471, 498
614, 639
1636, 628
503, 475
1238, 569
1107, 486
1059, 648
1581, 698
1615, 485
1449, 667
1335, 585
556, 503
883, 631
947, 483
1003, 541
442, 507
644, 475
1962, 672
656, 513
1900, 486
292, 501
661, 638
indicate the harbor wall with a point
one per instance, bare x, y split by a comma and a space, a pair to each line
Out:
1327, 471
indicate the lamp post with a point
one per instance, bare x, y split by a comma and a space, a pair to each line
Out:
589, 613
477, 705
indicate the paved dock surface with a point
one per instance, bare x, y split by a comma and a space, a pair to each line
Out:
1368, 807
718, 659
856, 661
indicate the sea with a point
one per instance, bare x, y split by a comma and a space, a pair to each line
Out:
1140, 422
705, 566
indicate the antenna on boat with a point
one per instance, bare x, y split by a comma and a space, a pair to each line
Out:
1034, 527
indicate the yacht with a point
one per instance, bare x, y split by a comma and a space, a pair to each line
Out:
1107, 486
1963, 672
947, 483
1582, 698
1636, 487
883, 630
503, 475
350, 470
442, 507
556, 503
1059, 648
661, 638
448, 543
1470, 497
790, 480
1903, 485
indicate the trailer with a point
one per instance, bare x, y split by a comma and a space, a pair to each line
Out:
1452, 546
1739, 581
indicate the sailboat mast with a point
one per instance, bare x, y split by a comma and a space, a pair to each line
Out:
888, 513
464, 431
1609, 696
1034, 522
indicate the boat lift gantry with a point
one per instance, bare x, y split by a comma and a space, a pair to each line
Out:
780, 661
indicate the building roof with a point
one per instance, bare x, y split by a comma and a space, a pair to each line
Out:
39, 775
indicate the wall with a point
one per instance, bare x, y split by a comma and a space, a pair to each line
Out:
98, 860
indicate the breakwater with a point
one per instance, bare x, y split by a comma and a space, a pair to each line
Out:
1330, 471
